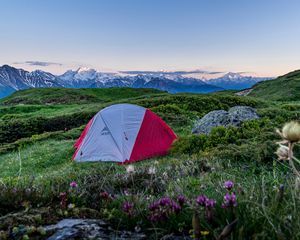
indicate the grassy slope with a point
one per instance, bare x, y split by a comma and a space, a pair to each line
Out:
46, 157
68, 96
284, 88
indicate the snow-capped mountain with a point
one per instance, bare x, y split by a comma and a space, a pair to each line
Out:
235, 81
13, 79
21, 79
85, 77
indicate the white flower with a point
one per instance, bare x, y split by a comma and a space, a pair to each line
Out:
71, 206
282, 152
165, 174
152, 170
130, 169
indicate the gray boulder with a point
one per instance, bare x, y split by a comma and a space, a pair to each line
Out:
234, 117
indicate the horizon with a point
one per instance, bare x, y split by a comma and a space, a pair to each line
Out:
110, 36
197, 74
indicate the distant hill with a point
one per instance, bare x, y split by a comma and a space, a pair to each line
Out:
283, 88
54, 96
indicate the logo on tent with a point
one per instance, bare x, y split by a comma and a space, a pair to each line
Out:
105, 131
126, 138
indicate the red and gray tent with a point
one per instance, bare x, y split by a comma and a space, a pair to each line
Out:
123, 133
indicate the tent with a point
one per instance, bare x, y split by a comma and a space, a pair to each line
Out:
123, 133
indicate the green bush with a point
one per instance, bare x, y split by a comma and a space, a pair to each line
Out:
253, 140
15, 129
201, 104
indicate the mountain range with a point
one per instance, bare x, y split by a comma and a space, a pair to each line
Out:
13, 79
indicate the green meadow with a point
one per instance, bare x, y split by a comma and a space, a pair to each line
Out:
38, 128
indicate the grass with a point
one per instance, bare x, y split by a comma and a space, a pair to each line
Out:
35, 169
66, 96
284, 88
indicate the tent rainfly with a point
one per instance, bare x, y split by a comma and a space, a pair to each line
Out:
123, 133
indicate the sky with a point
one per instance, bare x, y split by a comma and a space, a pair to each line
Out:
260, 37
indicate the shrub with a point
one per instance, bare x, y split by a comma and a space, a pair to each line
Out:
13, 130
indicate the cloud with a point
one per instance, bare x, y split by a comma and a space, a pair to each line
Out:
171, 72
40, 63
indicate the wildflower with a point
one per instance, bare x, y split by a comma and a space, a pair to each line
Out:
209, 209
181, 200
130, 169
161, 209
291, 131
104, 195
128, 208
175, 207
154, 206
71, 206
228, 185
73, 184
126, 192
229, 200
210, 203
204, 233
282, 152
165, 201
201, 200
151, 170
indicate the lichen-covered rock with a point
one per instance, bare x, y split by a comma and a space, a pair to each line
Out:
241, 114
210, 120
88, 229
234, 117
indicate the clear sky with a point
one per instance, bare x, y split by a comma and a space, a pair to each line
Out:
261, 36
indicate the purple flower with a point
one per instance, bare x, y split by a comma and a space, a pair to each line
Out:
201, 200
163, 208
73, 184
228, 185
176, 208
105, 196
128, 208
210, 203
181, 200
164, 201
229, 200
154, 206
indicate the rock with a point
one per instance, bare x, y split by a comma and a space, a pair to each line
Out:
234, 117
87, 229
241, 114
210, 120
